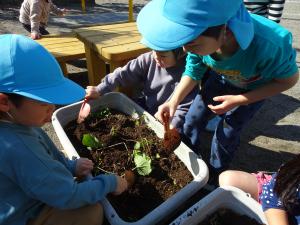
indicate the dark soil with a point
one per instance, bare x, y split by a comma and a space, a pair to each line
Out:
119, 133
228, 217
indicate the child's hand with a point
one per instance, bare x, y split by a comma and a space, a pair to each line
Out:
35, 35
84, 167
121, 185
64, 12
166, 108
91, 92
228, 102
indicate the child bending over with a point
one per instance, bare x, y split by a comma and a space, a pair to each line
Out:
37, 182
248, 57
157, 73
34, 15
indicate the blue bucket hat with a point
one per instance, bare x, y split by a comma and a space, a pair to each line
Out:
169, 24
28, 69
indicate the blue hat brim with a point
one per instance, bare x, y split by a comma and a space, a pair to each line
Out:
152, 25
63, 93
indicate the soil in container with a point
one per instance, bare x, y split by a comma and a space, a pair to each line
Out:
116, 140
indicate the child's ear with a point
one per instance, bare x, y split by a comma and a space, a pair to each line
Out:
4, 103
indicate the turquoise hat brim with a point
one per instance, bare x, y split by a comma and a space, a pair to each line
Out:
155, 37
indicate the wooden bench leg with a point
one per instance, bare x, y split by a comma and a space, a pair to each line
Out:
95, 65
63, 67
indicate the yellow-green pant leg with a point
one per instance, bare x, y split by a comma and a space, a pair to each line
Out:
91, 214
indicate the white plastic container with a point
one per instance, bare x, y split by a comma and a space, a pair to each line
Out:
118, 101
223, 197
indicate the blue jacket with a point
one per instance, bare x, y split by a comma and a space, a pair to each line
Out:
33, 172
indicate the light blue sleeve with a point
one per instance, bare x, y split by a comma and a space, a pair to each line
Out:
282, 62
194, 68
69, 164
51, 183
31, 166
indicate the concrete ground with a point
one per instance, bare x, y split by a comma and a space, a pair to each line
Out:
273, 135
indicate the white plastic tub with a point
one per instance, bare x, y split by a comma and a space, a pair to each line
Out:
223, 197
118, 101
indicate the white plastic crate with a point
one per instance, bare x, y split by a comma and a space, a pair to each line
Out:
118, 101
223, 197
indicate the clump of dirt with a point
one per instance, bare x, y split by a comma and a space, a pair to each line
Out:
119, 136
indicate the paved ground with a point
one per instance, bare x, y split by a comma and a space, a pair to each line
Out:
274, 134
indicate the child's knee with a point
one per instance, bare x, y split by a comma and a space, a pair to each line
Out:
92, 213
95, 214
227, 178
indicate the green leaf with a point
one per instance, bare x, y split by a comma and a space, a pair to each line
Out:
137, 145
143, 164
91, 142
157, 156
103, 113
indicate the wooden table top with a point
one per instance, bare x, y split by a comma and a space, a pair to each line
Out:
114, 42
64, 47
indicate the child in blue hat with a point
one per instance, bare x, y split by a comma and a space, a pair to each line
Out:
248, 57
37, 182
156, 74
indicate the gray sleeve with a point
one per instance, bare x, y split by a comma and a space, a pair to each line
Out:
54, 9
134, 72
35, 11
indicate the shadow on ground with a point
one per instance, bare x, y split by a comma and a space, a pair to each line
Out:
268, 123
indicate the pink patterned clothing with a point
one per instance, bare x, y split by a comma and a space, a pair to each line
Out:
262, 179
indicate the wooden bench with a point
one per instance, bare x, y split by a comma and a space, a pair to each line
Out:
113, 44
64, 47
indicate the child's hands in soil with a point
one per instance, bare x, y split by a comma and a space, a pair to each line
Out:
129, 177
122, 185
91, 92
168, 108
83, 168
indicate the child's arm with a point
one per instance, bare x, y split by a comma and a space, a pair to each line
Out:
228, 102
57, 11
276, 217
133, 73
184, 87
35, 14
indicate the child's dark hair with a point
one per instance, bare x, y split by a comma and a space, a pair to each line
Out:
213, 32
287, 184
179, 53
15, 98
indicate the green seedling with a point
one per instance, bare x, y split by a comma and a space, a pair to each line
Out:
103, 113
113, 131
140, 120
142, 163
91, 142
